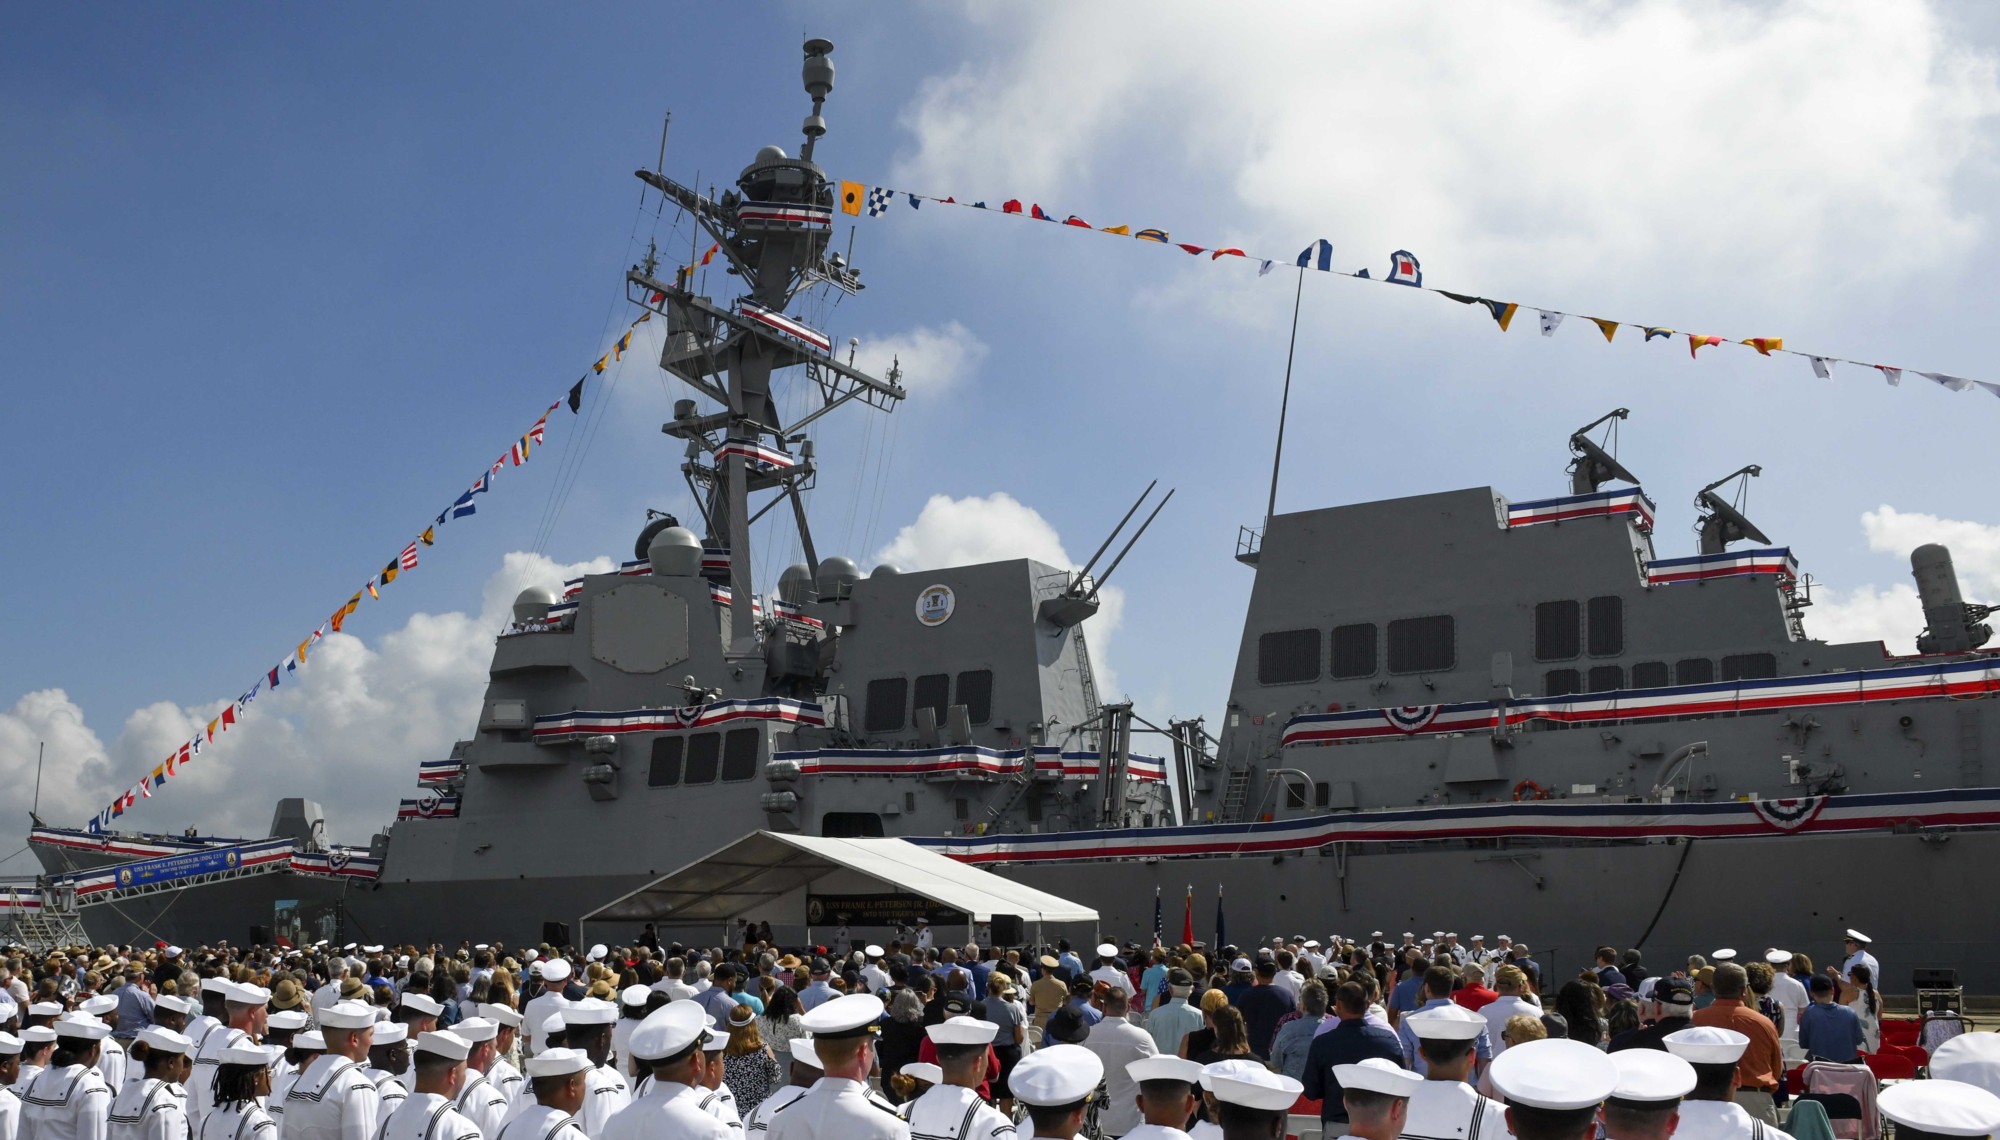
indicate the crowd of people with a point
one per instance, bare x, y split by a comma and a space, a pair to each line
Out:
1433, 1038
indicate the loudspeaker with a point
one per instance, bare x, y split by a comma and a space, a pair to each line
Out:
259, 935
1932, 980
556, 934
1009, 930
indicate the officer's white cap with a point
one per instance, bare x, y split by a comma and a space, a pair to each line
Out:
391, 1032
555, 970
668, 1031
1107, 950
1447, 1023
590, 1011
1057, 1075
559, 1062
1256, 1088
804, 1054
1312, 943
173, 1004
848, 1016
1164, 1068
1651, 1075
635, 994
505, 1015
81, 1025
873, 951
713, 1040
422, 1003
287, 1019
1555, 1073
311, 1041
1946, 1107
477, 1029
598, 952
347, 1015
1723, 955
1778, 957
1857, 936
262, 1056
963, 1031
1973, 1058
444, 1043
924, 1071
1706, 1045
1374, 1075
10, 1045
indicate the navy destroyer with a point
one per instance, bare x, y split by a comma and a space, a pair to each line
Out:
1461, 708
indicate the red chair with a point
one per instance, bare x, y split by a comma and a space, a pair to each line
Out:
1899, 1032
1890, 1066
1915, 1053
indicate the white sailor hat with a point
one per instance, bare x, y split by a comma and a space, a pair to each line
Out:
173, 1004
1225, 1069
444, 1043
243, 993
215, 985
1409, 934
1777, 957
1373, 1075
37, 1035
1164, 1067
873, 951
311, 1041
1647, 1075
1428, 942
1705, 1045
1437, 934
81, 1025
803, 1053
1447, 1022
1945, 1107
1376, 934
98, 1005
598, 952
1451, 934
635, 994
1256, 1088
1723, 955
962, 1031
1503, 938
8, 1009
262, 1056
554, 1023
1854, 935
1107, 950
560, 1062
1973, 1058
924, 1071
287, 1019
347, 1015
922, 921
590, 1011
1312, 944
668, 1031
45, 1009
390, 1033
850, 1016
422, 1003
477, 1029
506, 1015
555, 970
10, 1045
1057, 1075
1478, 938
1555, 1073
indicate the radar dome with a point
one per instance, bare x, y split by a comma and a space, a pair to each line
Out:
675, 553
837, 576
886, 570
643, 547
770, 154
532, 604
795, 585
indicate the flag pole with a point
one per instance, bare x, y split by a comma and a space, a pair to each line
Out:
1285, 401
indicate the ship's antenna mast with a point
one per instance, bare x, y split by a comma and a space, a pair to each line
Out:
1285, 401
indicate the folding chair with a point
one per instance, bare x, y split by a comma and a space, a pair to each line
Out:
1890, 1066
1856, 1081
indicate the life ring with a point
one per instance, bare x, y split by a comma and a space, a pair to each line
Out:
1333, 706
1539, 792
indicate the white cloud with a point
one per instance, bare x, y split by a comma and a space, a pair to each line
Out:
932, 359
1893, 614
75, 757
1520, 144
971, 530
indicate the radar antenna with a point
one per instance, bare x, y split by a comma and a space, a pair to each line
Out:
1723, 522
1596, 464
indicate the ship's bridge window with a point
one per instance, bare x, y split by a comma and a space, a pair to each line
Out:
1606, 678
1749, 666
704, 750
665, 769
1607, 626
1558, 630
975, 692
1288, 657
739, 753
933, 692
1694, 671
1354, 650
886, 698
1651, 675
1561, 682
1423, 644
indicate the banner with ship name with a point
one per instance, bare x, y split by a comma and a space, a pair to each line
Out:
878, 910
1403, 268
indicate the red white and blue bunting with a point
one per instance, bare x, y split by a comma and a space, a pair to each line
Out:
1614, 502
430, 805
1776, 561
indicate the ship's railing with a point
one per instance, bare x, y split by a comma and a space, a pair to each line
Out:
1249, 544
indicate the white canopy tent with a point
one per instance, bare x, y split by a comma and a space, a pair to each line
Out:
767, 875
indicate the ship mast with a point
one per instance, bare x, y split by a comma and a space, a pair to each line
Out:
773, 229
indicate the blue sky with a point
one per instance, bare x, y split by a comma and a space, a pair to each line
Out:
282, 281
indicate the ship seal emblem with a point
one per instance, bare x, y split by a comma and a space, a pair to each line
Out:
125, 877
1410, 718
935, 605
1789, 815
229, 860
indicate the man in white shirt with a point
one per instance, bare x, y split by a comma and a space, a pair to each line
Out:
1787, 991
1117, 1043
1857, 945
1515, 999
555, 973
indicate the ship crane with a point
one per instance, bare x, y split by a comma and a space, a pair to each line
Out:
1723, 522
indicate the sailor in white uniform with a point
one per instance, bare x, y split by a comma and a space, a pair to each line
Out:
1553, 1087
307, 1047
1445, 1106
1376, 1092
418, 1013
840, 1106
242, 1081
111, 1055
153, 1106
718, 1101
953, 1109
804, 1071
478, 1099
68, 1100
1857, 944
1646, 1102
387, 1056
1926, 1110
554, 1097
668, 1043
244, 1008
10, 1071
503, 1074
1788, 992
587, 1029
1254, 1102
211, 1011
1108, 972
555, 974
333, 1099
1168, 1093
36, 1043
437, 1066
1710, 1112
1055, 1083
280, 1028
